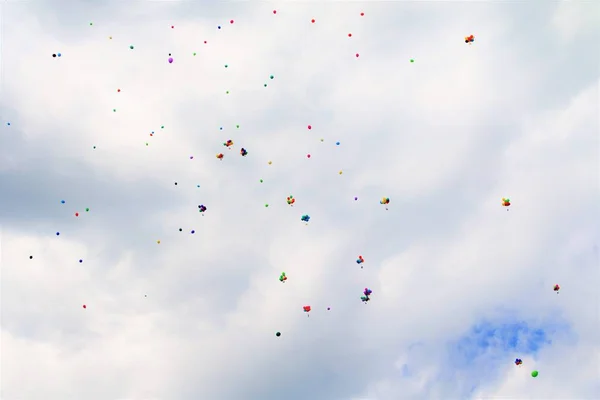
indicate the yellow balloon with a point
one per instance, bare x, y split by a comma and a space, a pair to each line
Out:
158, 241
270, 162
340, 172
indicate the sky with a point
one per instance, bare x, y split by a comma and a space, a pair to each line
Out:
461, 286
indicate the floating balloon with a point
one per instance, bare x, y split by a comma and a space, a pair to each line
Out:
84, 306
506, 203
534, 374
305, 218
556, 288
220, 156
278, 334
518, 361
291, 200
170, 60
282, 277
243, 152
469, 39
201, 208
360, 260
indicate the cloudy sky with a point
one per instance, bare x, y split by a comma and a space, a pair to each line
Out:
461, 286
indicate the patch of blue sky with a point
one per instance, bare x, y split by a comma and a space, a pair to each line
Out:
488, 346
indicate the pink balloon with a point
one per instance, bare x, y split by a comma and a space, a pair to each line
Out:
170, 60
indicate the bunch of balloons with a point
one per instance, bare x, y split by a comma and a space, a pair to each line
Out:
366, 295
290, 200
243, 152
469, 39
220, 156
228, 143
282, 277
306, 310
360, 260
305, 218
201, 208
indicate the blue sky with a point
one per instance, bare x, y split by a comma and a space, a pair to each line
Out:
461, 286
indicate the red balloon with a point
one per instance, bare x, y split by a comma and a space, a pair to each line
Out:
84, 306
308, 155
357, 55
231, 22
310, 127
349, 35
274, 11
312, 20
77, 214
362, 14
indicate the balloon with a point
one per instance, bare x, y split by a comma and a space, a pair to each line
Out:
170, 60
278, 334
534, 374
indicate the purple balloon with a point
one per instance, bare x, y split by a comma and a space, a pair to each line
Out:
170, 60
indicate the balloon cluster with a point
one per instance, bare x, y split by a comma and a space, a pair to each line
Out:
469, 39
291, 200
306, 310
366, 295
220, 156
228, 143
506, 202
201, 208
305, 218
243, 152
518, 361
556, 288
360, 260
282, 277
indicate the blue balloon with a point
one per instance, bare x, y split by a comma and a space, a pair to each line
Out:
337, 143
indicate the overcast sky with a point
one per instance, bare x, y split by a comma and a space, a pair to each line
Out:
461, 285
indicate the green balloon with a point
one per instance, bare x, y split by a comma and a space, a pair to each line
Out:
271, 77
266, 205
278, 334
194, 53
534, 374
261, 181
265, 85
87, 210
131, 47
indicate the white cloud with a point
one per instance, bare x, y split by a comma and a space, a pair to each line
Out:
445, 137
